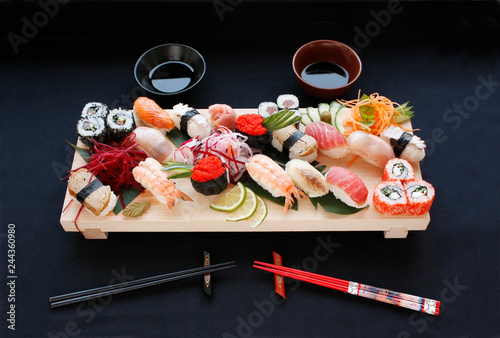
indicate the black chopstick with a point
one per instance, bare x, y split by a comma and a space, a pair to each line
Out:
79, 296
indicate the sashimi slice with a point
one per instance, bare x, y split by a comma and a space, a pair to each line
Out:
331, 142
222, 115
347, 187
152, 115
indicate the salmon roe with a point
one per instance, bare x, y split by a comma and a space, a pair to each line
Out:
251, 124
208, 168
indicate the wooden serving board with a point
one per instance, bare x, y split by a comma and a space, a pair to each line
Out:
197, 216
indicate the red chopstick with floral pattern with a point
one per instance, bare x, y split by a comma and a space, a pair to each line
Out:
416, 303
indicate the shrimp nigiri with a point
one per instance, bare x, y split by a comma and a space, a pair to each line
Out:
149, 174
270, 176
149, 112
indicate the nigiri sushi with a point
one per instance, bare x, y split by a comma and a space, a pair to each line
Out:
295, 143
222, 115
347, 187
270, 176
151, 114
307, 178
370, 148
331, 142
406, 145
153, 143
149, 174
97, 198
190, 121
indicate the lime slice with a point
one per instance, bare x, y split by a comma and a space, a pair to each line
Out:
231, 200
259, 214
246, 210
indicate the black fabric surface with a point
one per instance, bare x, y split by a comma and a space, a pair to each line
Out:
443, 57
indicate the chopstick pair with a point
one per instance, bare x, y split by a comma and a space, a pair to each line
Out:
79, 296
411, 302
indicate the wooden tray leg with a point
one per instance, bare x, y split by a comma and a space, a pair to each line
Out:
94, 234
396, 233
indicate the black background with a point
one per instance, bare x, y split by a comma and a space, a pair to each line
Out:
433, 54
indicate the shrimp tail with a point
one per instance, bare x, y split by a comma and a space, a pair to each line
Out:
183, 196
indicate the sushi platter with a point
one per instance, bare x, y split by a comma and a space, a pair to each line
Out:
197, 216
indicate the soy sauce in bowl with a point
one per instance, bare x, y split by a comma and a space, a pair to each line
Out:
171, 76
325, 74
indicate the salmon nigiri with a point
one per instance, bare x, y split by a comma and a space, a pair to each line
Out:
149, 112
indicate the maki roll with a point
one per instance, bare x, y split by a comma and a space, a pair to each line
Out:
91, 128
288, 101
85, 188
390, 197
251, 126
95, 109
267, 108
190, 121
420, 195
120, 123
399, 170
209, 176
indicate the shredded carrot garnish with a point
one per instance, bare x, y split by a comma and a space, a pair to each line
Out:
384, 113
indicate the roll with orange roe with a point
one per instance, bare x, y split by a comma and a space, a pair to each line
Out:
209, 176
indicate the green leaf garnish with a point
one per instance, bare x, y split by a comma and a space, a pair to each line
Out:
177, 169
128, 195
256, 188
405, 111
177, 137
136, 209
280, 120
84, 153
331, 204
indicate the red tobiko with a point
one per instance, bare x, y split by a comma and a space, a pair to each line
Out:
207, 169
251, 124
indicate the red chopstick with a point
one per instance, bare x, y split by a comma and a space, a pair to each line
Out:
411, 302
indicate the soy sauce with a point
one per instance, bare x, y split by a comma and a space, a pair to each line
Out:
171, 76
325, 75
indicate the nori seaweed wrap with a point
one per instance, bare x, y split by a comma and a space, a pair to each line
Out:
120, 123
250, 125
209, 176
90, 128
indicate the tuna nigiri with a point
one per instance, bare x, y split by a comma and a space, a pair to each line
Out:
347, 187
222, 115
151, 114
331, 142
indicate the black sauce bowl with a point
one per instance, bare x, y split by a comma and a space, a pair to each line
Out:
162, 54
